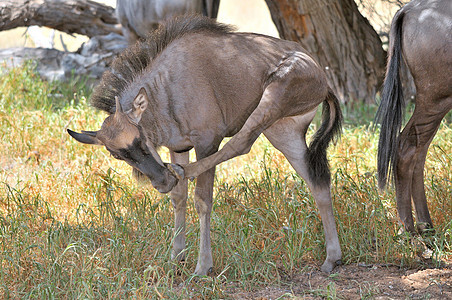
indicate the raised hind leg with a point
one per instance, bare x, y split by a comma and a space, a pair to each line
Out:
240, 143
179, 200
288, 136
280, 99
409, 177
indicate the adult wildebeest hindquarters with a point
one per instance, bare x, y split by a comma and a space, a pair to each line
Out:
139, 17
194, 82
421, 34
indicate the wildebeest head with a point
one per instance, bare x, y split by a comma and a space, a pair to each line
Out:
123, 137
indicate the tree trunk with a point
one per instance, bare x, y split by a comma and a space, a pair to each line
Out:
71, 16
341, 40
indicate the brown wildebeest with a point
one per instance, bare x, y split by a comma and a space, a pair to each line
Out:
194, 82
139, 17
421, 34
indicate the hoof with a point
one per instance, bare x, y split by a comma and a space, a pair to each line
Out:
176, 170
328, 266
178, 267
178, 258
203, 272
425, 229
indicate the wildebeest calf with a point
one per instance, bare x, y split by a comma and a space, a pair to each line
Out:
194, 82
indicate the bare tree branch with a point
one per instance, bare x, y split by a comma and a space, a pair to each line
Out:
71, 16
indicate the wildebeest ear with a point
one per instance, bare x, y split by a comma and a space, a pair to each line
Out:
140, 103
118, 105
86, 137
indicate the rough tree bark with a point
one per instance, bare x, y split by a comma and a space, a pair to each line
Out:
71, 16
341, 40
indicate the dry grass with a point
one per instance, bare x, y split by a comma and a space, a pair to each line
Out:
73, 224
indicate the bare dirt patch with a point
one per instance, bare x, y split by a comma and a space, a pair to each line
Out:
360, 282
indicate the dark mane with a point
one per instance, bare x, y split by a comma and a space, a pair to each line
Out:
137, 58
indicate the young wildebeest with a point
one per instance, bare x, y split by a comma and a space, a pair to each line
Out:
194, 82
421, 34
139, 17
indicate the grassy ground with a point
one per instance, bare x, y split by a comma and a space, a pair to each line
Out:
74, 224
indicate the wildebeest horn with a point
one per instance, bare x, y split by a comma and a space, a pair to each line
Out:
118, 105
86, 137
90, 133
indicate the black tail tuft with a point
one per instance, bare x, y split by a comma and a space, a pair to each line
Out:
390, 111
319, 169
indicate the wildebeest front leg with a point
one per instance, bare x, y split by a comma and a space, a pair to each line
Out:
203, 205
179, 199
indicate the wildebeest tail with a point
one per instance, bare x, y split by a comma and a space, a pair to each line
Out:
319, 169
390, 111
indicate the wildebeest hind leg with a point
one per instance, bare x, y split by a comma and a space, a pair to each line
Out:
418, 193
413, 145
288, 136
427, 131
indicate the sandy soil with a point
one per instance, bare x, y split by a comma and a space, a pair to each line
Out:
360, 282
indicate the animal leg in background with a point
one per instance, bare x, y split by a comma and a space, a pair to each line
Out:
414, 142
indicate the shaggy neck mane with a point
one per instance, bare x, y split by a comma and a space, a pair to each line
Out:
138, 58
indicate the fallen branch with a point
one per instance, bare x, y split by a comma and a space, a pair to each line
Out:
71, 16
